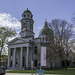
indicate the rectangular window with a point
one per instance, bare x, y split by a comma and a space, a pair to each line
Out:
35, 50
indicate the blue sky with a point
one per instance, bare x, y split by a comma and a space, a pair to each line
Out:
41, 9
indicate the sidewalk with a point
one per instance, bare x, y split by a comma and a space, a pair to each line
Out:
25, 74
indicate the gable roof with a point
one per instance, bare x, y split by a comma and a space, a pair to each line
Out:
18, 40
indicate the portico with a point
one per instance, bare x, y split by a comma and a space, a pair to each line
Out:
19, 57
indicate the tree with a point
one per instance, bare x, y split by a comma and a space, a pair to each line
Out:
5, 33
51, 57
62, 33
73, 20
4, 60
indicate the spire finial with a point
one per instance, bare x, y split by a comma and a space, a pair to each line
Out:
27, 8
45, 22
45, 19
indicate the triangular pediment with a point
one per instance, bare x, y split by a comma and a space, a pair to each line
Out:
18, 40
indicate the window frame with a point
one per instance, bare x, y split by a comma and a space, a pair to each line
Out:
35, 50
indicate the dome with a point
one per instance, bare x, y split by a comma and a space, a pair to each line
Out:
27, 11
45, 30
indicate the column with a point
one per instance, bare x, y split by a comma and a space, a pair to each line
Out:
14, 57
27, 56
31, 60
9, 56
21, 57
31, 54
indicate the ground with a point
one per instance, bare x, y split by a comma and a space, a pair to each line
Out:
70, 71
24, 74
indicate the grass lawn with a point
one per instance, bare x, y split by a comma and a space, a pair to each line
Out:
70, 71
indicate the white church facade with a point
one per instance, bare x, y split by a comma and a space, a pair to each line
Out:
24, 51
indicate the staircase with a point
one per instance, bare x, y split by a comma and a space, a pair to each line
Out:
14, 68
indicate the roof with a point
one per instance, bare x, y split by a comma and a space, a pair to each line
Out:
27, 11
17, 40
45, 30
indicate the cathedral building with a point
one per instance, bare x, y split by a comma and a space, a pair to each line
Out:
24, 51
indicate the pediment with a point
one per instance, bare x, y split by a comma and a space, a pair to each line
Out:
17, 40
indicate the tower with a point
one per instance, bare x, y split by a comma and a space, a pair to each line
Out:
46, 33
27, 24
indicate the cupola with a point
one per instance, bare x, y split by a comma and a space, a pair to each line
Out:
27, 24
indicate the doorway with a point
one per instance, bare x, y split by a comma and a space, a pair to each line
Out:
35, 63
24, 64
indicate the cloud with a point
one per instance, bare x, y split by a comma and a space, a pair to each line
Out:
10, 21
7, 20
74, 28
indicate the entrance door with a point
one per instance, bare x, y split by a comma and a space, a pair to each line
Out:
10, 63
24, 62
35, 63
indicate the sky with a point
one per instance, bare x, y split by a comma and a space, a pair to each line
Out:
11, 11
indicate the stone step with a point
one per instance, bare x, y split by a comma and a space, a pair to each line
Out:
15, 68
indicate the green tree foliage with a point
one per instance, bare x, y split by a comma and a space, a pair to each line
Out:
5, 33
4, 57
4, 60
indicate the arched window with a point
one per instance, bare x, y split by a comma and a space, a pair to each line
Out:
24, 15
31, 17
35, 50
23, 25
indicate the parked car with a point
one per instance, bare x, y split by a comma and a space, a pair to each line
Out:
2, 70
